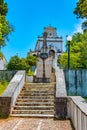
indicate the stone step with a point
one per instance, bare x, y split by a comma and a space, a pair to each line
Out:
35, 103
32, 115
38, 89
34, 100
37, 97
33, 107
40, 84
33, 112
36, 94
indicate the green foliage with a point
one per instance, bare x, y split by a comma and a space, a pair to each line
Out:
5, 27
3, 7
31, 60
86, 98
63, 60
3, 86
78, 53
81, 9
84, 26
30, 72
17, 63
1, 55
74, 61
83, 54
3, 115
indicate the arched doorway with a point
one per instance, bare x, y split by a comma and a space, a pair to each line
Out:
52, 53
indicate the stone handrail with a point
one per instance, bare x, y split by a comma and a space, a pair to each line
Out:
9, 97
60, 83
77, 111
60, 94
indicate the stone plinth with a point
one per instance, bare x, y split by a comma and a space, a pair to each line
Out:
5, 106
60, 107
39, 73
48, 70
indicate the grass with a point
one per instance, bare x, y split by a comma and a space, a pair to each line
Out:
86, 98
30, 73
3, 86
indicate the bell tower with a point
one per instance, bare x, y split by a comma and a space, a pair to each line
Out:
54, 42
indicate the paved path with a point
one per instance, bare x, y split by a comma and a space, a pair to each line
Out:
34, 124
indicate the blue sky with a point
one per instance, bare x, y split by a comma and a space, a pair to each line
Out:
31, 16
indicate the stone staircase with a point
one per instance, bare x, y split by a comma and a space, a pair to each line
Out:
35, 100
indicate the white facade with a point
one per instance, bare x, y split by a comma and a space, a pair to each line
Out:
53, 41
2, 64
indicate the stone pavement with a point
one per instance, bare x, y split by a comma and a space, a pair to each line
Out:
34, 124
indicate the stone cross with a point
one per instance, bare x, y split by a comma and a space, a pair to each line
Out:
44, 46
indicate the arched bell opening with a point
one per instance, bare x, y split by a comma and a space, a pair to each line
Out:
35, 55
52, 53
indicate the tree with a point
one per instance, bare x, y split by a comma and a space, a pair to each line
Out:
74, 61
84, 26
5, 27
78, 52
31, 60
1, 55
17, 63
83, 54
81, 9
78, 47
3, 8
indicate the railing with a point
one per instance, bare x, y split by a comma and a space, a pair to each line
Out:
60, 94
77, 111
9, 97
76, 82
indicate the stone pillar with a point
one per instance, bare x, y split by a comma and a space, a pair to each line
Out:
5, 106
60, 108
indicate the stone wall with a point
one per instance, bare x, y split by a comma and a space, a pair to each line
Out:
11, 93
2, 64
60, 94
60, 83
76, 82
29, 79
77, 111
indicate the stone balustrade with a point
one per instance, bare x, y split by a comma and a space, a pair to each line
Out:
60, 94
60, 83
77, 112
8, 98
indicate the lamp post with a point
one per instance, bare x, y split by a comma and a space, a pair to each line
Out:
69, 39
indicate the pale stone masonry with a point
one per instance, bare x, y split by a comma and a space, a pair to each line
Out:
61, 94
2, 64
35, 100
60, 83
48, 67
77, 111
10, 95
